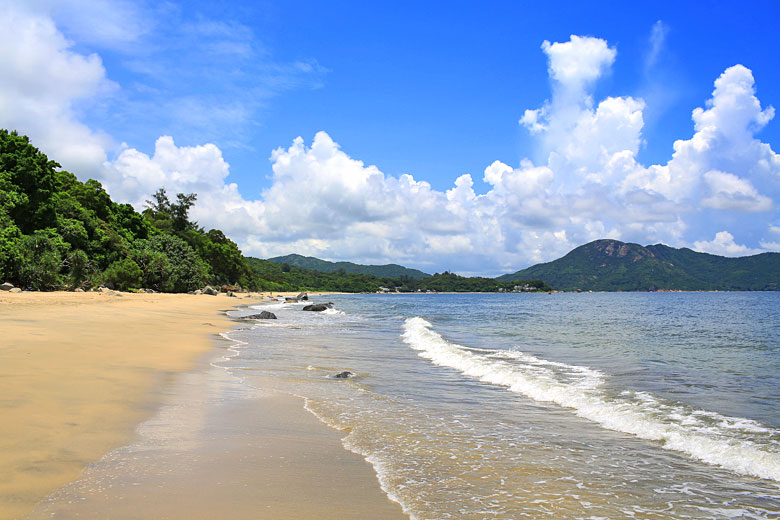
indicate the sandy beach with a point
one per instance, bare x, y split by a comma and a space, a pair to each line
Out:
80, 371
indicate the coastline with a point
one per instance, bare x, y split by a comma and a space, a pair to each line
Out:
82, 374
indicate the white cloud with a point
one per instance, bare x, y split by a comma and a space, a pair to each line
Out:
724, 140
657, 38
578, 62
41, 81
723, 244
729, 192
108, 23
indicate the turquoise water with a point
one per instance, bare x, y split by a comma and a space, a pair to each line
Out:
627, 405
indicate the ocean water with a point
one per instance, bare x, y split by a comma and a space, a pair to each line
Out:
499, 406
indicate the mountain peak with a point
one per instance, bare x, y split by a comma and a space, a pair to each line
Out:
612, 265
618, 249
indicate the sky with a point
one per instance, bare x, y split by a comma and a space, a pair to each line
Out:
478, 138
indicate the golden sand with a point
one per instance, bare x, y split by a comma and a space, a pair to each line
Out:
79, 370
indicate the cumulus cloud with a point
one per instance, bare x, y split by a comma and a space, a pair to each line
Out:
723, 244
42, 81
727, 191
133, 176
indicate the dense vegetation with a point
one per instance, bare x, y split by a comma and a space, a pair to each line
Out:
610, 265
57, 232
382, 271
280, 277
286, 277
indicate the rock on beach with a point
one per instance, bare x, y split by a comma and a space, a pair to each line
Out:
318, 307
265, 315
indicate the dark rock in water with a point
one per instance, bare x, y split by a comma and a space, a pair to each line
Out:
344, 375
318, 307
6, 286
265, 315
290, 300
302, 296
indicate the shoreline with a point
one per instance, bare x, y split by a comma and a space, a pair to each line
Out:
80, 373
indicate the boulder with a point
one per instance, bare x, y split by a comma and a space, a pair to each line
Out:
15, 290
209, 290
302, 296
198, 292
79, 289
265, 315
290, 300
6, 286
343, 375
318, 307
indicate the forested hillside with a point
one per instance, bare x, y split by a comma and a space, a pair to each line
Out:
324, 266
57, 232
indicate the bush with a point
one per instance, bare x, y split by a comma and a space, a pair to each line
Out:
123, 274
169, 264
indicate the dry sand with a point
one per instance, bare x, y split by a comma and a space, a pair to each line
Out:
79, 371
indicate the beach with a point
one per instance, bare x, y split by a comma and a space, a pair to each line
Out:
97, 380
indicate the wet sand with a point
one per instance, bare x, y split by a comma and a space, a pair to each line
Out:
79, 372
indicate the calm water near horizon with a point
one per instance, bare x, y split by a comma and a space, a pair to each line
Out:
602, 405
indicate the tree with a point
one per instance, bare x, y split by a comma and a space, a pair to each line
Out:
42, 254
180, 211
79, 266
160, 204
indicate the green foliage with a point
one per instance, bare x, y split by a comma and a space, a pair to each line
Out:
170, 264
10, 251
79, 268
285, 277
42, 260
123, 274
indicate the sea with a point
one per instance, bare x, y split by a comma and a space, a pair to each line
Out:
535, 405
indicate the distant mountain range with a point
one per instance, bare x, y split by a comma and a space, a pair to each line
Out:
611, 265
315, 264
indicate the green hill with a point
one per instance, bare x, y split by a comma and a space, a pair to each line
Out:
611, 265
315, 264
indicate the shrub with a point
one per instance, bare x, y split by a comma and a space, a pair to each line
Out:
123, 274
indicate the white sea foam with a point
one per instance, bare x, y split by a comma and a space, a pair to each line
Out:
333, 311
737, 444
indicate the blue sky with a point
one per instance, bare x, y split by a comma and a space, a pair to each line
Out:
432, 92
